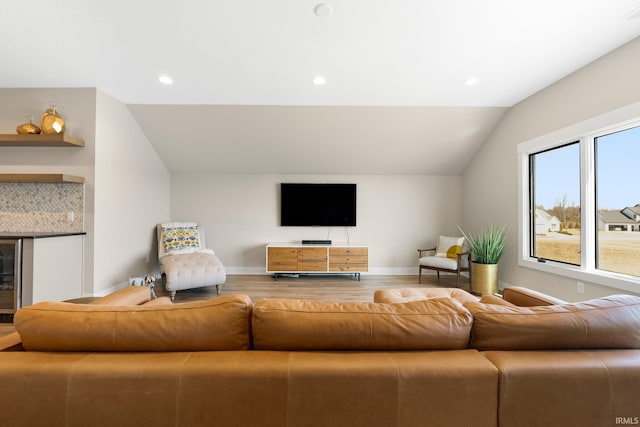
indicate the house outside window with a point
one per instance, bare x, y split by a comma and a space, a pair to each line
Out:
579, 210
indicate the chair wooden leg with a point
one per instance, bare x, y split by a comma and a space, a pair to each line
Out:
218, 287
173, 295
438, 273
419, 275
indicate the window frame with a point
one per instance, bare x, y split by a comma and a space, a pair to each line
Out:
584, 132
532, 206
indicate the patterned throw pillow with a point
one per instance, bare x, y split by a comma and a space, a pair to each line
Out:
178, 236
449, 247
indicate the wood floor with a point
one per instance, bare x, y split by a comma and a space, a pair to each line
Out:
315, 287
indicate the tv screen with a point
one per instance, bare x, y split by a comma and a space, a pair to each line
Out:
317, 204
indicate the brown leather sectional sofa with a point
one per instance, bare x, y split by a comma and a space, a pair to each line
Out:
414, 357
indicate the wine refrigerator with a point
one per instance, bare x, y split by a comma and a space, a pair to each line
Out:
10, 267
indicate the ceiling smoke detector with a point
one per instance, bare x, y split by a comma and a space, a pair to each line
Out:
323, 10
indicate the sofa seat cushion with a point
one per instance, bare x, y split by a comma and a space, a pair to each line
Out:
288, 324
609, 322
567, 388
418, 294
216, 324
439, 262
249, 388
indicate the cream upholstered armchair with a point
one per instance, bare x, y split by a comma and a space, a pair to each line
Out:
185, 261
451, 255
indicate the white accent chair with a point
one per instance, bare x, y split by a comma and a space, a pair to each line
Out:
185, 262
448, 256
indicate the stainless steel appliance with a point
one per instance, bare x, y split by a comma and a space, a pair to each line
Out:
10, 267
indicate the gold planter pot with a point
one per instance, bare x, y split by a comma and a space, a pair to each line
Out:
484, 278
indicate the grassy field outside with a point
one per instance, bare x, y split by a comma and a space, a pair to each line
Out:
617, 251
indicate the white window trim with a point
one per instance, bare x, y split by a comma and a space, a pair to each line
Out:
583, 131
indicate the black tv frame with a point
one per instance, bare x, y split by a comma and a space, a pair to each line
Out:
318, 204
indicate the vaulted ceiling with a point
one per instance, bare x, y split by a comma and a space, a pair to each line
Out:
243, 98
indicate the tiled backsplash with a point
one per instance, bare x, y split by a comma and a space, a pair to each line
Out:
28, 206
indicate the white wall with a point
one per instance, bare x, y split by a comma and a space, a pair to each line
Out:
78, 108
490, 180
126, 184
131, 197
396, 214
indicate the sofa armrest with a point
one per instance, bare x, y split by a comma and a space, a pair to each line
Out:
11, 342
525, 297
131, 295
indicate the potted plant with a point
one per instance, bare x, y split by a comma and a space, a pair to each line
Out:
486, 246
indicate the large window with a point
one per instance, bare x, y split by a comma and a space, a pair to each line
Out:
617, 172
579, 212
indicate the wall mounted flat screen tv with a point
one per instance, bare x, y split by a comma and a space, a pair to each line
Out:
317, 204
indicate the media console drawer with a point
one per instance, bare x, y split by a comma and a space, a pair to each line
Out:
335, 258
349, 259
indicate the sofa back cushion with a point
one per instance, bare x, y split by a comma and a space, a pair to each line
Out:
397, 295
286, 324
610, 322
216, 324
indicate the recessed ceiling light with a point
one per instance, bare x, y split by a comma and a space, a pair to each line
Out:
323, 10
165, 80
319, 81
472, 81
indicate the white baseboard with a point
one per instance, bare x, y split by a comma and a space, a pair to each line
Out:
392, 271
502, 285
375, 271
110, 290
118, 286
246, 270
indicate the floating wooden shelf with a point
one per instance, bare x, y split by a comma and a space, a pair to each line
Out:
40, 177
40, 140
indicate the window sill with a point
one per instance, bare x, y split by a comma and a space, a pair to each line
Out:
612, 280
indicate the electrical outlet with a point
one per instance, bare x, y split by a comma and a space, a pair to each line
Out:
580, 288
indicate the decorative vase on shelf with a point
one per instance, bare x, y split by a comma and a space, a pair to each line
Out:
52, 123
28, 128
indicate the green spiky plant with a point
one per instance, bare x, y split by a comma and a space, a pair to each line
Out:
488, 245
